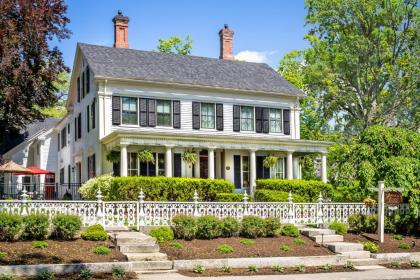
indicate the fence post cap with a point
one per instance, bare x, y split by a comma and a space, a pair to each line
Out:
141, 195
245, 196
24, 195
320, 198
99, 195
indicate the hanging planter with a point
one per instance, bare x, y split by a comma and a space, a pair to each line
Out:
146, 156
189, 157
270, 161
113, 156
369, 202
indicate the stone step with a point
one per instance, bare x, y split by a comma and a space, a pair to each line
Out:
356, 254
316, 231
152, 265
146, 256
117, 229
327, 238
367, 261
139, 248
339, 247
160, 271
369, 267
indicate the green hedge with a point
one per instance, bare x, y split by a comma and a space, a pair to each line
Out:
308, 190
277, 196
160, 188
231, 197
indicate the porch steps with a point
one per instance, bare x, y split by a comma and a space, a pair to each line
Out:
135, 248
146, 256
309, 232
340, 247
356, 254
327, 238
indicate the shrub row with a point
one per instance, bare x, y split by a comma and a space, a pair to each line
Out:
155, 188
307, 189
277, 196
37, 227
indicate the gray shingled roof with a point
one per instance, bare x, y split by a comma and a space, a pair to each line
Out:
190, 70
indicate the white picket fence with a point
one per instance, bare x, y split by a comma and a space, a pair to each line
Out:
152, 213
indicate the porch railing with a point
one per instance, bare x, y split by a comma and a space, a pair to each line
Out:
44, 191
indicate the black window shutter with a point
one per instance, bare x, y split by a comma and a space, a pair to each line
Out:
79, 126
93, 113
58, 141
258, 119
87, 118
259, 166
236, 118
177, 113
286, 121
151, 108
266, 120
177, 165
196, 115
87, 80
75, 129
83, 85
219, 116
116, 110
143, 112
78, 89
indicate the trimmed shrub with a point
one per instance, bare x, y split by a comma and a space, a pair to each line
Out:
307, 189
11, 226
35, 227
370, 223
340, 228
156, 188
363, 223
252, 227
184, 227
229, 197
247, 242
404, 245
102, 250
355, 222
224, 249
299, 241
370, 246
290, 230
208, 227
272, 227
66, 226
95, 233
162, 234
229, 227
277, 196
95, 227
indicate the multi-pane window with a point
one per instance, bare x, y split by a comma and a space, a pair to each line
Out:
247, 118
91, 166
275, 120
245, 171
129, 110
207, 115
132, 164
163, 112
161, 164
63, 137
277, 171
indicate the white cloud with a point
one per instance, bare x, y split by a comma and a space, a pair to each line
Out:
254, 56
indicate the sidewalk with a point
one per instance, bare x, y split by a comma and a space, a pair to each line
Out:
380, 274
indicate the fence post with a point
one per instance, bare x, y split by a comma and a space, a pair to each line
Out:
140, 211
245, 206
24, 203
381, 210
291, 215
100, 218
319, 213
196, 213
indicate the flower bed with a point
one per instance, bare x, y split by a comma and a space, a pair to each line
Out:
392, 242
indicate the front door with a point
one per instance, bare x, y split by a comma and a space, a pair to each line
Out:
237, 171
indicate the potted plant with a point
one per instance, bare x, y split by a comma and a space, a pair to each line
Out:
113, 156
270, 161
189, 157
146, 156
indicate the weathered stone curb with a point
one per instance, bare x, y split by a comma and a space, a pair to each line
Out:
388, 257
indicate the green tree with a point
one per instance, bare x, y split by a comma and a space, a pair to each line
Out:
175, 45
58, 110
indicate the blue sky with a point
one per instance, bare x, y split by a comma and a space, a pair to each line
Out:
264, 29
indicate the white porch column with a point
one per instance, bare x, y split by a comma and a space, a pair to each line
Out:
289, 164
218, 164
211, 163
124, 162
296, 173
252, 172
168, 161
324, 168
197, 165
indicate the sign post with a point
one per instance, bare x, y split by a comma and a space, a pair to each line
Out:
381, 210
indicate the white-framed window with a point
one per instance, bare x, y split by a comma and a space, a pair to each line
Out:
132, 164
245, 171
207, 115
247, 118
275, 120
277, 171
163, 112
129, 110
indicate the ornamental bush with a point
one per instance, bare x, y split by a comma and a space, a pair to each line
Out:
363, 223
35, 227
184, 227
277, 196
308, 190
208, 227
229, 227
162, 234
95, 233
230, 197
272, 227
290, 230
11, 227
340, 228
252, 227
66, 226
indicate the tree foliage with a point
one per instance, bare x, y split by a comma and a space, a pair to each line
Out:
175, 45
30, 68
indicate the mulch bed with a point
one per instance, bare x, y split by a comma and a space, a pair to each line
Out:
400, 266
263, 247
390, 245
97, 276
262, 271
74, 251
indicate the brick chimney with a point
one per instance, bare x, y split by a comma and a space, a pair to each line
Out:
226, 43
120, 31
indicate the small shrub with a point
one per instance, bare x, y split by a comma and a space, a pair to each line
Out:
39, 244
348, 265
340, 228
415, 264
198, 268
95, 227
102, 250
226, 269
208, 227
46, 275
162, 234
224, 249
285, 248
299, 241
252, 268
404, 245
277, 196
370, 246
277, 268
355, 222
370, 223
301, 268
11, 226
229, 227
184, 227
35, 227
95, 235
247, 242
86, 274
272, 227
290, 230
2, 255
327, 267
176, 245
252, 227
7, 277
397, 237
395, 265
66, 226
118, 272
